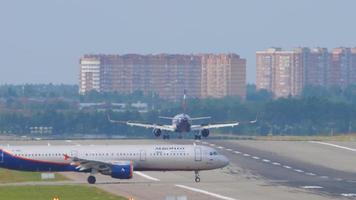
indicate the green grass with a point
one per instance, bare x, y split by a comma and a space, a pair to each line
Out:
12, 176
68, 192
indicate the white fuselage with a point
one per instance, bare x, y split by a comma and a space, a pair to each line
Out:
144, 157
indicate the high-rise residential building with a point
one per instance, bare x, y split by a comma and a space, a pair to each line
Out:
287, 72
352, 76
280, 72
223, 75
342, 70
340, 67
90, 75
203, 75
317, 62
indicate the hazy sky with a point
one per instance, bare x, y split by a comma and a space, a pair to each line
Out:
41, 41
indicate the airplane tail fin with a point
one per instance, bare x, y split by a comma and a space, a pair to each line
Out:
184, 103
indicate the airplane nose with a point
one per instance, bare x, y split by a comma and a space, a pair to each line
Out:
224, 161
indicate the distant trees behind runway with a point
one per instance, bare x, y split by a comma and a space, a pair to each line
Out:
318, 111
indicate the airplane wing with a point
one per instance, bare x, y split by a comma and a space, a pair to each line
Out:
199, 118
84, 164
155, 126
211, 126
163, 117
144, 125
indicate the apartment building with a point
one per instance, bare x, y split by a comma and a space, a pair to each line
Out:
202, 75
286, 73
280, 71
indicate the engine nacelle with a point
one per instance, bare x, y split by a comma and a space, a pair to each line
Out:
122, 170
157, 132
205, 132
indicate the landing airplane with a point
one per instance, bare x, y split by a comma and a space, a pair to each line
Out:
181, 123
117, 161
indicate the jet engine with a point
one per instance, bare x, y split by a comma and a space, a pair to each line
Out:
122, 170
205, 132
157, 132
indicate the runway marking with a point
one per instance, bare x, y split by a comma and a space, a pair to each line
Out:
205, 192
312, 187
204, 142
278, 181
286, 166
348, 194
310, 174
212, 145
339, 179
333, 145
146, 176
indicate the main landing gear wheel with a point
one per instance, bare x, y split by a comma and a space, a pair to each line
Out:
197, 137
197, 178
91, 179
166, 137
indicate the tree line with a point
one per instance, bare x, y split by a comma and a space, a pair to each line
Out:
317, 111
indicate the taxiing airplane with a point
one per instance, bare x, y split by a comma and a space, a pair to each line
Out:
181, 123
117, 161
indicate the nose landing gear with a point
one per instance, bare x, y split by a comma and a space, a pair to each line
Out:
197, 178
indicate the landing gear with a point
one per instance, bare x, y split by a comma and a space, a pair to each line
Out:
197, 136
180, 136
91, 179
166, 136
197, 178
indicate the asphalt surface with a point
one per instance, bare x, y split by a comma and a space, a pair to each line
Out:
290, 172
258, 170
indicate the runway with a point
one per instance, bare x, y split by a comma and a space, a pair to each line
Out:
258, 170
275, 166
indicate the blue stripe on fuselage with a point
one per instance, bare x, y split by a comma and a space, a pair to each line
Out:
11, 162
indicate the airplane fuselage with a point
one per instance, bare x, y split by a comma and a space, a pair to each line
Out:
182, 123
143, 157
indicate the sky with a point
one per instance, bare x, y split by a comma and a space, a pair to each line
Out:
41, 41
